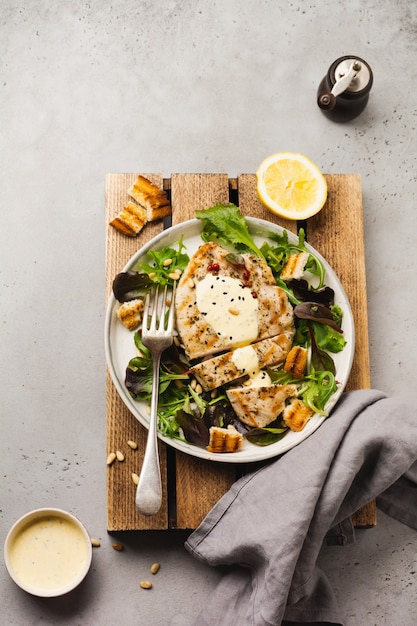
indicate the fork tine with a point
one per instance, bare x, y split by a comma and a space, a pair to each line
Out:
145, 313
158, 311
163, 307
172, 308
154, 313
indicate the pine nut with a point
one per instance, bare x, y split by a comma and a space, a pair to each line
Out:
155, 568
233, 311
174, 275
120, 456
118, 547
132, 444
145, 584
135, 478
199, 389
213, 394
95, 543
152, 275
193, 383
111, 458
167, 262
177, 341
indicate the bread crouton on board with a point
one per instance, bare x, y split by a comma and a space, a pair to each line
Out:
149, 203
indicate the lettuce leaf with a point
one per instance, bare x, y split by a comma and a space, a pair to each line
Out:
224, 224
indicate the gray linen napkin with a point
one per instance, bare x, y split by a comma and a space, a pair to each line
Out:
267, 531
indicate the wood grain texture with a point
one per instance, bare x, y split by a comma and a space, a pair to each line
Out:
121, 425
190, 192
336, 232
366, 517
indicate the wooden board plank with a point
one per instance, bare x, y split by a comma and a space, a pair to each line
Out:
339, 227
121, 425
210, 480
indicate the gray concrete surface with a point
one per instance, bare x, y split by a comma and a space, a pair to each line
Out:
179, 86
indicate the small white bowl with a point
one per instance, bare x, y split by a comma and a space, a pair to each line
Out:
48, 552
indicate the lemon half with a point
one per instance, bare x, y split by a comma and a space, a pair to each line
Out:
291, 186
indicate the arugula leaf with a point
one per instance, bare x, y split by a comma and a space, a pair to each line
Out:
157, 268
225, 224
315, 389
327, 338
198, 399
276, 256
138, 378
136, 282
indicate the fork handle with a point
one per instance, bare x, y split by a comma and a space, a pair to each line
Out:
149, 489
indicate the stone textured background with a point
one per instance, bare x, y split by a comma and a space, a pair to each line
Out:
179, 86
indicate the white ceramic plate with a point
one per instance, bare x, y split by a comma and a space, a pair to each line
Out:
120, 347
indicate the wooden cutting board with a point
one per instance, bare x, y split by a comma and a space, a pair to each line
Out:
192, 486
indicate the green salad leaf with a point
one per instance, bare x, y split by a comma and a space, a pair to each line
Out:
130, 285
315, 389
164, 262
225, 224
265, 436
277, 255
138, 379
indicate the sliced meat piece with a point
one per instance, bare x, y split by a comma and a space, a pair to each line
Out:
227, 367
248, 284
259, 406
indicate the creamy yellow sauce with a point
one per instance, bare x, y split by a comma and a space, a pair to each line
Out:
48, 553
228, 307
247, 361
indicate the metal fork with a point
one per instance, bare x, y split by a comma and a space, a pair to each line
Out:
156, 338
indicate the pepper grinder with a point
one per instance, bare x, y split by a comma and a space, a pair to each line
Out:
344, 91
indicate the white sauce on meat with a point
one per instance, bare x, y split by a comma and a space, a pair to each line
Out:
228, 307
246, 360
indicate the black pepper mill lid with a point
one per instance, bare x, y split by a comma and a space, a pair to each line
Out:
344, 92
